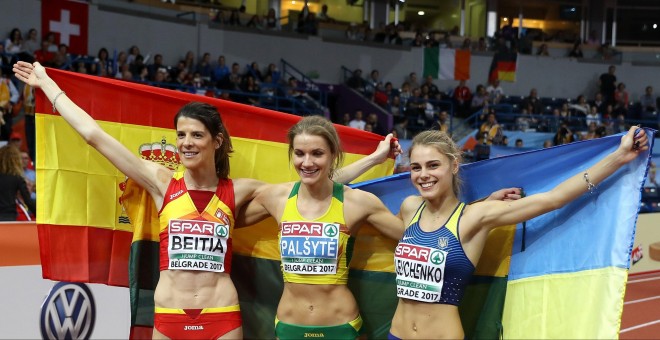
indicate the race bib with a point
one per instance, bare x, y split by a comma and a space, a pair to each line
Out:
309, 247
197, 245
419, 272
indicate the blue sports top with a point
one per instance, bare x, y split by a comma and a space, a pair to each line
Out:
432, 266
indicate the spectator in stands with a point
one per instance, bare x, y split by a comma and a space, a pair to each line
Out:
482, 46
479, 100
619, 125
204, 68
442, 123
599, 103
220, 71
446, 41
648, 101
376, 127
534, 101
52, 45
104, 65
251, 88
412, 80
591, 131
31, 43
593, 116
401, 129
607, 84
255, 22
232, 80
395, 107
356, 81
373, 84
519, 143
563, 136
482, 149
622, 99
547, 143
323, 15
495, 92
352, 32
405, 93
346, 119
525, 121
62, 59
309, 25
133, 53
234, 18
505, 140
416, 106
120, 62
581, 107
576, 51
189, 61
255, 72
271, 21
137, 65
491, 130
434, 92
357, 122
42, 55
9, 96
12, 183
467, 44
14, 42
462, 99
651, 176
419, 40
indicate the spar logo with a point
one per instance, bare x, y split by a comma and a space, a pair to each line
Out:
330, 230
193, 227
418, 253
305, 229
69, 312
221, 230
437, 257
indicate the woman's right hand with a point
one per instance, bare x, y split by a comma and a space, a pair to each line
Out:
31, 74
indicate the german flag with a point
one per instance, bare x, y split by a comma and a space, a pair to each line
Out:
503, 67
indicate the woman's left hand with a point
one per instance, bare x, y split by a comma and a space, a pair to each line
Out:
632, 144
388, 148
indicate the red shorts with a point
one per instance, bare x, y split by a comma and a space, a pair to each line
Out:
207, 323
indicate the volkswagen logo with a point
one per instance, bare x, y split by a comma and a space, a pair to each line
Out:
68, 312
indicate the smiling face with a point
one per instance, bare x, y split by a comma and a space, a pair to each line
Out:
431, 172
195, 144
312, 158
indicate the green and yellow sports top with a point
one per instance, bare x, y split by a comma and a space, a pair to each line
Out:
315, 251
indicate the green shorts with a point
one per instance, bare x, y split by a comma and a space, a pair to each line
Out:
350, 330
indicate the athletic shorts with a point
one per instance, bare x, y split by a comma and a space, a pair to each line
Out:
391, 336
350, 330
207, 323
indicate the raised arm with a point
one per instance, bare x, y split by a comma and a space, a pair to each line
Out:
492, 214
375, 212
151, 176
387, 148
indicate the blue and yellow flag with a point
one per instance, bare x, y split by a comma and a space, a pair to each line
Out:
568, 268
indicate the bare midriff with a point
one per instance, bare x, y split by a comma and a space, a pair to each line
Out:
194, 289
423, 320
317, 305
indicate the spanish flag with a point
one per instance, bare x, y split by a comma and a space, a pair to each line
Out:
86, 234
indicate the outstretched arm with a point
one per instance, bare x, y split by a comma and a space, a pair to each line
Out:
497, 213
377, 213
149, 175
387, 148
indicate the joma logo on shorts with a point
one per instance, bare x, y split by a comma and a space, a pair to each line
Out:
314, 335
193, 328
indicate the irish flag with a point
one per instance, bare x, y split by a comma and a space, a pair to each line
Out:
447, 63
